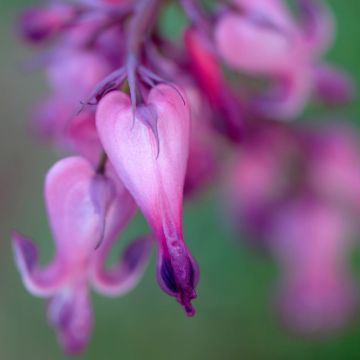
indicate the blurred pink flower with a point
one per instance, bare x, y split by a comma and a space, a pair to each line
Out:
86, 211
263, 39
311, 240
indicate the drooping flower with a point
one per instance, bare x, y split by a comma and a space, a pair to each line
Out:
311, 240
149, 151
86, 213
261, 38
294, 191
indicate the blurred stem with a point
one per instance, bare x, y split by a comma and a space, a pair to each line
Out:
141, 24
100, 169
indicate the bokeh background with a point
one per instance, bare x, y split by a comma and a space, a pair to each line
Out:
234, 313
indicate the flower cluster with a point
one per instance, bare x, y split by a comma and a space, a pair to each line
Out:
147, 121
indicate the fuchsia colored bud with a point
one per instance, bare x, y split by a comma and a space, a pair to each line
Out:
208, 73
311, 241
149, 151
36, 25
203, 160
332, 153
86, 210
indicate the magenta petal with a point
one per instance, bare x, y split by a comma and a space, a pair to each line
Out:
317, 24
123, 276
332, 85
70, 313
40, 282
76, 221
178, 276
102, 194
36, 24
287, 98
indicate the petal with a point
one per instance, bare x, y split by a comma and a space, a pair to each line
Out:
124, 276
246, 46
121, 277
38, 281
317, 24
316, 303
82, 138
76, 220
37, 24
332, 85
272, 10
288, 95
74, 73
208, 73
178, 274
70, 313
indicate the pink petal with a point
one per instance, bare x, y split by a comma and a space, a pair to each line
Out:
246, 46
70, 313
332, 85
38, 281
126, 273
75, 219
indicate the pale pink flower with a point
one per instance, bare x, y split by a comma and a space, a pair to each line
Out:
86, 213
149, 151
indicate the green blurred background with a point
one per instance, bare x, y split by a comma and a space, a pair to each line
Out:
234, 315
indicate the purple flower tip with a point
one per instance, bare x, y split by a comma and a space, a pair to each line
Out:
25, 251
179, 278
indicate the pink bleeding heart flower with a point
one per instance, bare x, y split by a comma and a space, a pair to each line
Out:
311, 239
149, 151
86, 210
261, 38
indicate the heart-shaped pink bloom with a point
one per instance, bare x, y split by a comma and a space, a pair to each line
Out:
261, 38
86, 212
149, 151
